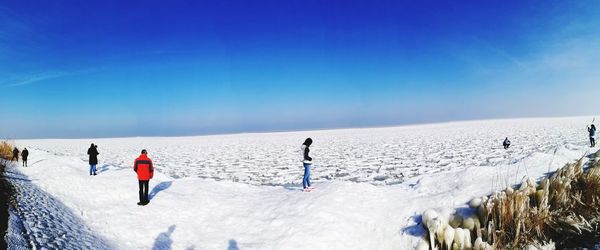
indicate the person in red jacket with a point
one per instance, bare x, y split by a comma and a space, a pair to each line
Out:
145, 171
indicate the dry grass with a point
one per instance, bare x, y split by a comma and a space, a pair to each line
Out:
6, 149
563, 205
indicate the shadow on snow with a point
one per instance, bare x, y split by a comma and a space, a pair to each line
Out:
158, 188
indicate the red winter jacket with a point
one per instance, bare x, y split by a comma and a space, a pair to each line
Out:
143, 167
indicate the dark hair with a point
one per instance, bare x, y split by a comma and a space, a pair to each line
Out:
92, 145
307, 142
144, 151
593, 126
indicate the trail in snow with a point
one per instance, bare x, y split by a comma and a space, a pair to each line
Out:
46, 221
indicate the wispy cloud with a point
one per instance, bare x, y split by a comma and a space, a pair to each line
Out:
40, 77
501, 53
34, 78
11, 23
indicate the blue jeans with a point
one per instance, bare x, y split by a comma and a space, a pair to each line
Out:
306, 179
92, 169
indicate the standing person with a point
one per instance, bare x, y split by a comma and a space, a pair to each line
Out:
506, 143
307, 161
592, 131
24, 155
93, 153
145, 171
16, 154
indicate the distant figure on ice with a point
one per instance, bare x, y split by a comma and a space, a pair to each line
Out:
592, 131
93, 153
15, 154
307, 161
506, 143
24, 155
145, 171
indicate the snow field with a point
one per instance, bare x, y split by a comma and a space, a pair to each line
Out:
208, 214
380, 156
200, 206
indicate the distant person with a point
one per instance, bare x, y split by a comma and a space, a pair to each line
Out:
15, 154
592, 131
307, 161
93, 153
145, 171
506, 143
24, 155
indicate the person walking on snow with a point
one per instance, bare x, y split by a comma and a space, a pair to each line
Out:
24, 155
506, 143
307, 161
145, 171
592, 131
93, 153
16, 154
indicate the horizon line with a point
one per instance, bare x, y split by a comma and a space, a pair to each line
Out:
310, 129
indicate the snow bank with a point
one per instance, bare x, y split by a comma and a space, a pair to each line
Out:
208, 214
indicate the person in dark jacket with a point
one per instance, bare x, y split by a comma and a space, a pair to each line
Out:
93, 153
506, 143
145, 171
592, 131
15, 154
307, 162
24, 156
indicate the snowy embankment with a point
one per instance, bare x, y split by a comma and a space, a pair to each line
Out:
208, 214
204, 213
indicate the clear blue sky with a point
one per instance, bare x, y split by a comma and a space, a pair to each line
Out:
144, 68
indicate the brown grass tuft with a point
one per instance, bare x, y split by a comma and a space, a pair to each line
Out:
6, 149
566, 204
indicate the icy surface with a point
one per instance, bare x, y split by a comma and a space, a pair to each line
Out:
196, 202
376, 155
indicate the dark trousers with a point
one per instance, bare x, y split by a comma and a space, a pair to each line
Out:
593, 141
143, 191
24, 162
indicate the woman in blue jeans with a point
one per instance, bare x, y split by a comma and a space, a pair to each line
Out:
307, 161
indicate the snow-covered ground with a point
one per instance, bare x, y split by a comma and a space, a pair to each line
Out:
243, 190
374, 155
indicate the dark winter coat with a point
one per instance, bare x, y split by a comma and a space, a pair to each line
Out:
93, 153
15, 152
592, 131
24, 154
307, 158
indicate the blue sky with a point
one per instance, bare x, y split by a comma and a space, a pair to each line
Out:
147, 68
